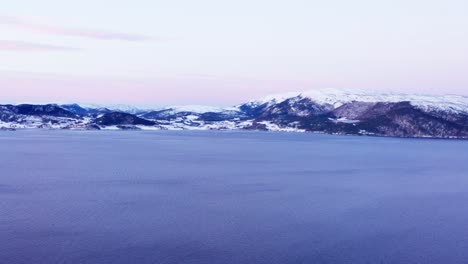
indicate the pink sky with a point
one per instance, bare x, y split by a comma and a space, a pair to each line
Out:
189, 90
218, 52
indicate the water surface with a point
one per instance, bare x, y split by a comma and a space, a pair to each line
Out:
230, 197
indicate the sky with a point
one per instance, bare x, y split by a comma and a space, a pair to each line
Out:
226, 52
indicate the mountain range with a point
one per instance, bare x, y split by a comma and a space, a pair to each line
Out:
331, 111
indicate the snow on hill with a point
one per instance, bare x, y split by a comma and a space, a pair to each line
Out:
325, 111
332, 97
132, 109
339, 97
200, 109
276, 98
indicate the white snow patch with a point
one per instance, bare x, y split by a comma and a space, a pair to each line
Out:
274, 127
344, 120
338, 97
275, 98
200, 109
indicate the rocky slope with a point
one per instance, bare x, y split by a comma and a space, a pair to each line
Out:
325, 111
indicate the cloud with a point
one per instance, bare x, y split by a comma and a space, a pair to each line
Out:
8, 45
74, 32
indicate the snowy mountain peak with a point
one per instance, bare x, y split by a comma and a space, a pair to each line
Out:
339, 97
335, 111
133, 109
277, 98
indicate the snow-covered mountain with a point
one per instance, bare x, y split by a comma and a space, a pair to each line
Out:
326, 111
339, 97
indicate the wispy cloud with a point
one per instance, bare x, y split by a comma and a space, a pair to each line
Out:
74, 32
8, 45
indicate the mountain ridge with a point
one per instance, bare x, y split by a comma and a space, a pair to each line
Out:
331, 111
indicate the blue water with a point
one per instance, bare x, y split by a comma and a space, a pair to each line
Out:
230, 197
